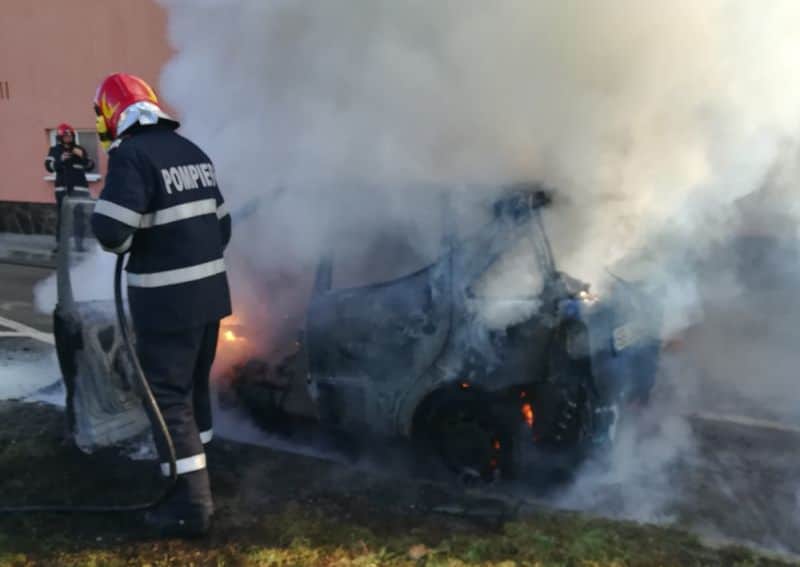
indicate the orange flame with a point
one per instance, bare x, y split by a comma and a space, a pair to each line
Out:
234, 346
527, 414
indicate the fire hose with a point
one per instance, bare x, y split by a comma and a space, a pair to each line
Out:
155, 413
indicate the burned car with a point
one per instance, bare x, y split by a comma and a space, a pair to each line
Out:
424, 358
103, 404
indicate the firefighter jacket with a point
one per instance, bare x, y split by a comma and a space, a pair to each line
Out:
161, 202
71, 172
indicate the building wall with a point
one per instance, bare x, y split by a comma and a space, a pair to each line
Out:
53, 54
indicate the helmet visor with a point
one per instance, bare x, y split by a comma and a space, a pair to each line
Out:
102, 129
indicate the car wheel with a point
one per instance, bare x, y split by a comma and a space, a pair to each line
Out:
472, 443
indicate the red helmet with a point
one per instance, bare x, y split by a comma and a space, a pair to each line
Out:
64, 128
123, 100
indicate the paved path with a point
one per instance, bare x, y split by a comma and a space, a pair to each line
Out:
16, 297
27, 357
27, 249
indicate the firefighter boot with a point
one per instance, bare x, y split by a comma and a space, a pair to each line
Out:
187, 510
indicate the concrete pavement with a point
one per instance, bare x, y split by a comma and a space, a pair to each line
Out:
27, 249
27, 357
16, 299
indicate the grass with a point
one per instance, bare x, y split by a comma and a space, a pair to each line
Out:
301, 535
284, 510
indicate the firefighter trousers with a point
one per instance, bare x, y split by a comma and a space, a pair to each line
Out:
177, 366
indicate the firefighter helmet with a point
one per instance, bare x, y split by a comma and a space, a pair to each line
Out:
64, 128
122, 101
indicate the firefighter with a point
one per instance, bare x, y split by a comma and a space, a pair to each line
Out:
70, 162
161, 203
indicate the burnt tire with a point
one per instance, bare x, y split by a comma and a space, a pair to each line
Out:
471, 442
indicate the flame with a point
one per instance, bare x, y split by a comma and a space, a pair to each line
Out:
527, 414
464, 385
229, 326
233, 346
496, 445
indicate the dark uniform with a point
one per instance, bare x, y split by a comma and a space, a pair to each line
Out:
70, 181
161, 202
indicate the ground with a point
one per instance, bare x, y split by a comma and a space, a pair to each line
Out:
277, 508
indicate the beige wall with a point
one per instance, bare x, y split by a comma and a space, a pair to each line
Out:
53, 54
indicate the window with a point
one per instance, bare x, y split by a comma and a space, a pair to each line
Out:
88, 140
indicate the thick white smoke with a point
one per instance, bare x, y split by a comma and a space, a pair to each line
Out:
339, 117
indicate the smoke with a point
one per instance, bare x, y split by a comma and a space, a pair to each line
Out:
92, 278
337, 120
638, 478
